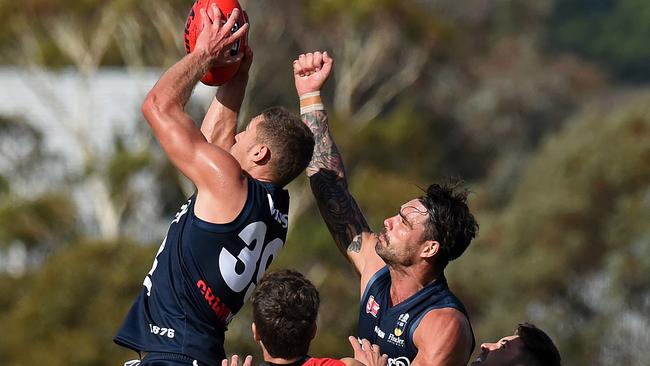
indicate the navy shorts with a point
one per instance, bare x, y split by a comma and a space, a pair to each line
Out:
164, 359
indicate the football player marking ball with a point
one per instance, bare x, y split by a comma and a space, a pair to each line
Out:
217, 75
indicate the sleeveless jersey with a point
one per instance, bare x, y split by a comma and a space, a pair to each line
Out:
392, 328
202, 275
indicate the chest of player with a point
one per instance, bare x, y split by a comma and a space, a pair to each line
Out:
393, 327
214, 268
389, 327
231, 263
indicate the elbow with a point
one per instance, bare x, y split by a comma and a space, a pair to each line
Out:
154, 107
151, 107
148, 107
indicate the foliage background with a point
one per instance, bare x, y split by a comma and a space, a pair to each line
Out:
542, 107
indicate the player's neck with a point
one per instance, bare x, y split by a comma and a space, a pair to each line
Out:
270, 360
407, 281
260, 173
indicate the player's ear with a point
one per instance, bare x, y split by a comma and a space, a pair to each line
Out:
256, 337
430, 248
313, 332
260, 154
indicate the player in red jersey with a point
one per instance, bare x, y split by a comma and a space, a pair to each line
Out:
285, 306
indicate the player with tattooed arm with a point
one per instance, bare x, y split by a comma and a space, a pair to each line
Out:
225, 236
406, 306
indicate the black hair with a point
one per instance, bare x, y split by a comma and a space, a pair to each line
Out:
285, 306
450, 222
538, 346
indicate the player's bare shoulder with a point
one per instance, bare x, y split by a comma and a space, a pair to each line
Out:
450, 318
454, 340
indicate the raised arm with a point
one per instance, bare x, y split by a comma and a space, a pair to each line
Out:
216, 174
326, 173
219, 125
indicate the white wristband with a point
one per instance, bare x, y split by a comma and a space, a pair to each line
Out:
310, 94
312, 108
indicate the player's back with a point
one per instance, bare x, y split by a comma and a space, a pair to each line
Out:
202, 275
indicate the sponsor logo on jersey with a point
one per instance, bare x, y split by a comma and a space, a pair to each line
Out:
372, 307
401, 324
281, 218
182, 212
399, 361
398, 341
220, 309
395, 337
380, 332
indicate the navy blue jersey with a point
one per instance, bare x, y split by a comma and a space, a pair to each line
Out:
392, 327
202, 275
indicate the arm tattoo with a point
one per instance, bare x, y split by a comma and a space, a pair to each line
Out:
355, 246
329, 185
326, 154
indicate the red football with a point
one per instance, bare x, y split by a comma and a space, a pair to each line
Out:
216, 75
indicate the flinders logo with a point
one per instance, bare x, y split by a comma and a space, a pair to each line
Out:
394, 338
401, 324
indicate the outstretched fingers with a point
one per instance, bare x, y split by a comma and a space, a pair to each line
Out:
205, 19
238, 34
356, 346
231, 23
248, 361
232, 19
234, 361
216, 15
367, 353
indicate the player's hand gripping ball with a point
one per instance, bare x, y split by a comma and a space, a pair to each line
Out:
219, 74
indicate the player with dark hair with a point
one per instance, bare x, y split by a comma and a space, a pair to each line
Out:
406, 306
225, 236
529, 346
285, 307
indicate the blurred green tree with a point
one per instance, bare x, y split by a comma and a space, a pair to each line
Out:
612, 33
68, 311
570, 251
421, 90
